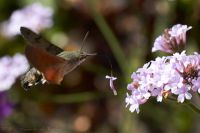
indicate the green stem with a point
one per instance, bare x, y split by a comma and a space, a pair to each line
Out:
199, 95
128, 122
109, 36
188, 103
193, 107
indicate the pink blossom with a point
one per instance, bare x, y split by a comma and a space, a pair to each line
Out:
35, 17
10, 69
111, 79
178, 74
173, 39
6, 106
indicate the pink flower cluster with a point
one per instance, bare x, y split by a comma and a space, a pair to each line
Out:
176, 75
35, 16
173, 39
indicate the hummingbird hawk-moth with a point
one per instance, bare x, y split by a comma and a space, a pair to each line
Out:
49, 62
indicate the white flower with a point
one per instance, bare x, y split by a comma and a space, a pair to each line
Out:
179, 32
196, 85
182, 94
173, 40
134, 105
35, 17
10, 69
111, 78
157, 92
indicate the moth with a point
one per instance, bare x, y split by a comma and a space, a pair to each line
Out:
49, 62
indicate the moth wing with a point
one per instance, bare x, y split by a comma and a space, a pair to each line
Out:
55, 73
38, 41
49, 64
68, 67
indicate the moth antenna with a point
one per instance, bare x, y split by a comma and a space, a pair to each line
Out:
84, 39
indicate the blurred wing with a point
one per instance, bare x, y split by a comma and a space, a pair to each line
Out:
34, 39
68, 67
50, 65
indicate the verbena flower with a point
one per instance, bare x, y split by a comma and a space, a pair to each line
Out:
35, 16
176, 75
172, 40
10, 69
111, 79
6, 107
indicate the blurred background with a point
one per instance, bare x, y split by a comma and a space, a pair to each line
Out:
122, 32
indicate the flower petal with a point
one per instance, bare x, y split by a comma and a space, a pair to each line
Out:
111, 78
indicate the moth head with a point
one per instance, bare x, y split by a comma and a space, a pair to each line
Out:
83, 55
